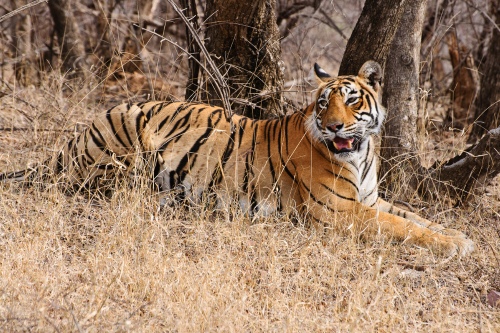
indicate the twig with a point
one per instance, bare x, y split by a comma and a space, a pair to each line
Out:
484, 14
19, 129
220, 83
227, 110
194, 50
20, 9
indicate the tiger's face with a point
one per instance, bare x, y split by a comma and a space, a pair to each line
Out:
347, 109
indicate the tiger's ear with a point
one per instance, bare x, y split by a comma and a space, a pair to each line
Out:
321, 74
371, 72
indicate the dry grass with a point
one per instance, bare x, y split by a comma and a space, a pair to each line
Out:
74, 263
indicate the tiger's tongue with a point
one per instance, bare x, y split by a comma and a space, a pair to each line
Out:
341, 143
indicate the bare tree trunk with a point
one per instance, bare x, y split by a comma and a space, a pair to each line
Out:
71, 44
400, 143
244, 38
24, 67
193, 49
463, 89
372, 37
103, 46
487, 105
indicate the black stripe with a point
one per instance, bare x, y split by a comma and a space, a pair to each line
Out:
181, 122
336, 194
367, 167
370, 193
253, 201
284, 136
197, 145
338, 176
249, 159
217, 174
86, 147
139, 128
270, 162
139, 105
316, 200
181, 107
241, 130
125, 129
113, 128
60, 163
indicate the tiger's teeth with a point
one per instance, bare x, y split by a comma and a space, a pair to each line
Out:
340, 143
348, 145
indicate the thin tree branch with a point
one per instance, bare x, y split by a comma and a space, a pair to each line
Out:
219, 81
20, 9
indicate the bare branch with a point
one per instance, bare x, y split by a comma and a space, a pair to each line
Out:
20, 9
215, 74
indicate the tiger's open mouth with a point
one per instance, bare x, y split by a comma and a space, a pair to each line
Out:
343, 145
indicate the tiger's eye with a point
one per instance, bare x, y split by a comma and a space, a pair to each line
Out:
322, 103
351, 100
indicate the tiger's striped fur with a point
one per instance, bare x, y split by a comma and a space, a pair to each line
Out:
320, 161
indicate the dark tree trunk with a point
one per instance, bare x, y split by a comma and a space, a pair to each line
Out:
72, 50
464, 86
103, 46
194, 59
487, 105
243, 38
401, 96
372, 37
23, 48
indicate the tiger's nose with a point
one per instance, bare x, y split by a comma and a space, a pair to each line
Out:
334, 127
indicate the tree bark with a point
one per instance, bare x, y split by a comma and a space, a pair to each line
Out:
372, 36
24, 67
194, 59
103, 46
487, 104
72, 50
243, 38
464, 86
400, 139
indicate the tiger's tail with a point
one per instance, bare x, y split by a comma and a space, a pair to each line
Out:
15, 176
27, 176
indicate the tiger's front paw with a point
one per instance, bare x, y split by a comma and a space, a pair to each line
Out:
455, 242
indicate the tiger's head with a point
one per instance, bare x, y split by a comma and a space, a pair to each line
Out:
347, 109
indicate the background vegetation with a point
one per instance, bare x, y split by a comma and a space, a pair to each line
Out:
84, 263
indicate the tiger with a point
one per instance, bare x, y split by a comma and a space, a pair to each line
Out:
320, 162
